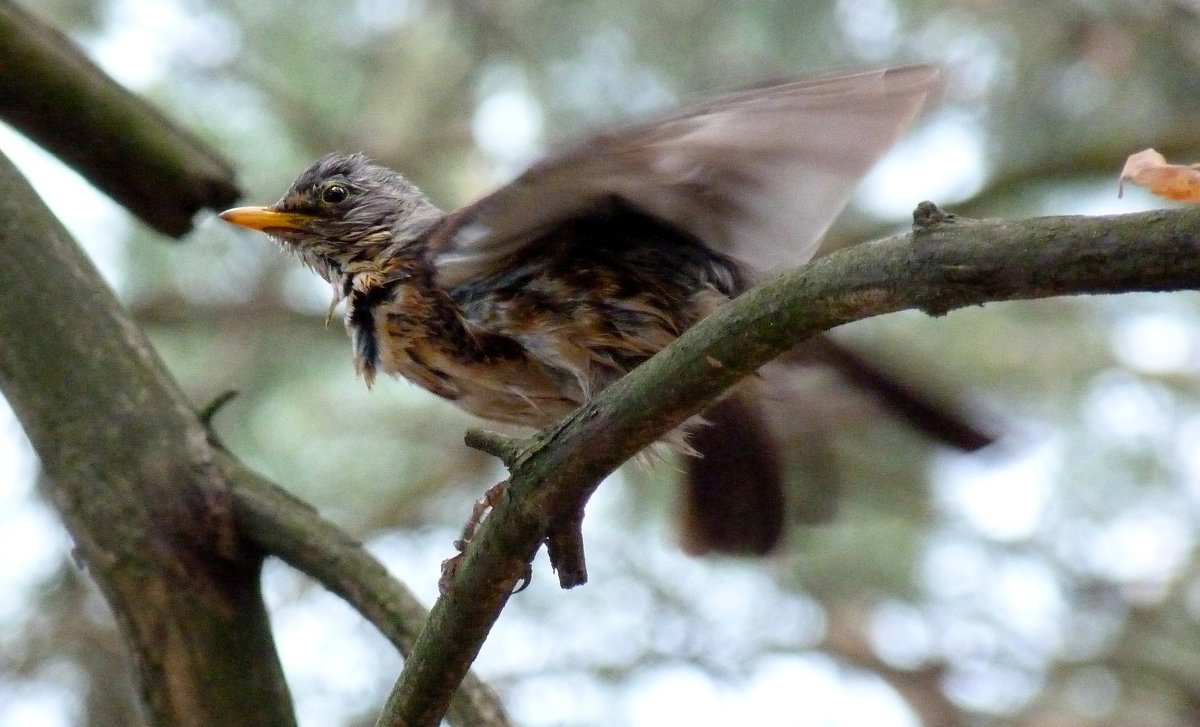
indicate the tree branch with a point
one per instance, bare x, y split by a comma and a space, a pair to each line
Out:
135, 479
171, 527
60, 99
292, 530
944, 264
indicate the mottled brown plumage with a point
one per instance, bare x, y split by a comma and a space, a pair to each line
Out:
520, 307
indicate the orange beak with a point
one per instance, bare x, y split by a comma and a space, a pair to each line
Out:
266, 219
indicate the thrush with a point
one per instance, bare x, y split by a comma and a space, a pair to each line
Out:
526, 303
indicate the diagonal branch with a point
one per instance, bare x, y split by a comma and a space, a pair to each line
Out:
132, 473
942, 265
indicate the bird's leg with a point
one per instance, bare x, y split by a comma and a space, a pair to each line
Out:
478, 511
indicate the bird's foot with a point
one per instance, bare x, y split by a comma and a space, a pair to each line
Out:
478, 512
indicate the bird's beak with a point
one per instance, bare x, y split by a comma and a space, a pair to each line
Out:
266, 219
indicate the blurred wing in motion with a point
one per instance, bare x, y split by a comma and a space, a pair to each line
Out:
757, 175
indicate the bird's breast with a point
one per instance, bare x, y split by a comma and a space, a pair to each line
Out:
512, 389
414, 332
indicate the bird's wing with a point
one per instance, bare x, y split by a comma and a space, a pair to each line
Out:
758, 175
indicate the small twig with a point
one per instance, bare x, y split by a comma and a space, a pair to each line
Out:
210, 410
564, 545
927, 215
503, 447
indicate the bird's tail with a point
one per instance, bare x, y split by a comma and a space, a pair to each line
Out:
734, 497
733, 500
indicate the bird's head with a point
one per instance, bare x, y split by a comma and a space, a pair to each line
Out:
342, 211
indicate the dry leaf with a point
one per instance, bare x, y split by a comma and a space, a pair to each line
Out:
1150, 169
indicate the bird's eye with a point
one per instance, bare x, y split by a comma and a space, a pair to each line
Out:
334, 193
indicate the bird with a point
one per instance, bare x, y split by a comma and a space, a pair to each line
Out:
524, 304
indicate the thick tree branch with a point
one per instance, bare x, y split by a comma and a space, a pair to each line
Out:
135, 479
56, 96
172, 528
942, 265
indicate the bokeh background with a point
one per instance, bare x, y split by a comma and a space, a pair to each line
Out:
1050, 580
